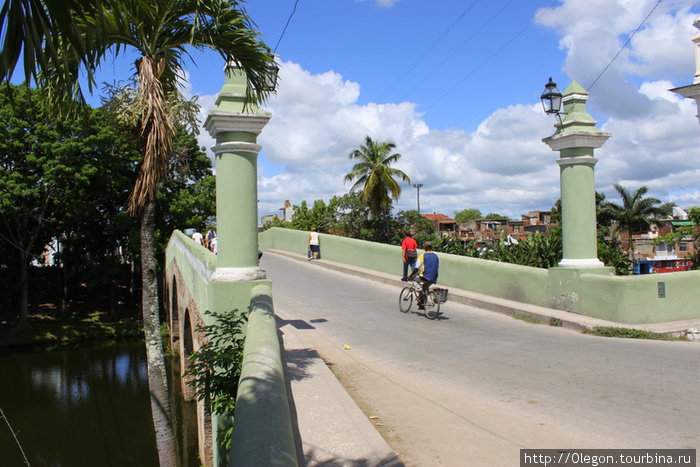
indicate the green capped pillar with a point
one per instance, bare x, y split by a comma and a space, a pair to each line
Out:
575, 139
236, 125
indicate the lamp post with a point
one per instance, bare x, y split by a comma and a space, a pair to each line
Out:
418, 186
575, 138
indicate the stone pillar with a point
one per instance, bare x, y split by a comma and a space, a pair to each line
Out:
693, 91
236, 127
575, 139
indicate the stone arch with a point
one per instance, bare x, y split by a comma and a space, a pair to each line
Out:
173, 312
189, 344
186, 348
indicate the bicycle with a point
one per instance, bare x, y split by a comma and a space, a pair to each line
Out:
431, 303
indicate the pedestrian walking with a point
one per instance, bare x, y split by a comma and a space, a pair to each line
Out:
314, 244
410, 254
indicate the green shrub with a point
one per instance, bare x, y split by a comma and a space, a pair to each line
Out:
215, 369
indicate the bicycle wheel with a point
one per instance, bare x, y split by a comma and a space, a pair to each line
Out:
432, 306
405, 299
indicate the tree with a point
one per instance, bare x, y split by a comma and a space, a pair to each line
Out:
45, 34
375, 179
694, 215
161, 32
33, 177
423, 229
165, 29
61, 177
58, 38
189, 194
466, 215
635, 214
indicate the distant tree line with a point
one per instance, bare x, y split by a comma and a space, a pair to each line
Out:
351, 216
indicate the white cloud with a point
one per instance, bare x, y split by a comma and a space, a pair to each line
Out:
593, 32
503, 166
494, 166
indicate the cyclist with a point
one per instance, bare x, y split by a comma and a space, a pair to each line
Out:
428, 264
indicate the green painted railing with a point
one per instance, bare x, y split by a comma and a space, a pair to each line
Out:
262, 426
263, 433
635, 299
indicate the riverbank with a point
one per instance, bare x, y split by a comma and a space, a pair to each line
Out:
90, 314
70, 329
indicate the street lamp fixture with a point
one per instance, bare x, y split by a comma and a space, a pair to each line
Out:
551, 99
270, 79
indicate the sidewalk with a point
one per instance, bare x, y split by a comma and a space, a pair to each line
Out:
332, 430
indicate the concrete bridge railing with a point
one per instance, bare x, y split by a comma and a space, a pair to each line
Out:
262, 424
635, 299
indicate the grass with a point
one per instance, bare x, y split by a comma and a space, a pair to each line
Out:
556, 322
628, 333
71, 328
526, 318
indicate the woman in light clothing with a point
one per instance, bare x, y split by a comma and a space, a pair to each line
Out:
314, 244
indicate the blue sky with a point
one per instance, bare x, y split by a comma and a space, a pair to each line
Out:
456, 85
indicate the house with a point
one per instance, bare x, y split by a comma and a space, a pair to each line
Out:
537, 221
487, 229
287, 213
444, 226
652, 256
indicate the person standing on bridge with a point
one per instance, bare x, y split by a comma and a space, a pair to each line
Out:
314, 244
410, 254
428, 264
211, 235
197, 237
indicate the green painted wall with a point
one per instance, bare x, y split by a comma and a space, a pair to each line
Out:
514, 282
262, 422
592, 292
196, 265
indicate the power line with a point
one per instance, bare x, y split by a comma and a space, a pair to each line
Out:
488, 59
424, 54
434, 70
623, 47
285, 26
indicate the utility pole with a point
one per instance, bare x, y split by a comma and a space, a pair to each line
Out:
418, 186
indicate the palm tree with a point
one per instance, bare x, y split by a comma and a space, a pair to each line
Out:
162, 32
635, 214
375, 179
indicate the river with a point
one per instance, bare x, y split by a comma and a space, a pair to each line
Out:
85, 407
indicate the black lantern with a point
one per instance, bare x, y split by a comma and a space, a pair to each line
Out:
551, 98
270, 79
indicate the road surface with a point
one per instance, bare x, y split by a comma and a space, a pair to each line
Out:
474, 387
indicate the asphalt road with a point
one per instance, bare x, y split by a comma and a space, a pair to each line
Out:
474, 387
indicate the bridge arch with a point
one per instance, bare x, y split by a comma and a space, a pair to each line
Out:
173, 312
187, 346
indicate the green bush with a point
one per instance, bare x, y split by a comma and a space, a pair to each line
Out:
215, 369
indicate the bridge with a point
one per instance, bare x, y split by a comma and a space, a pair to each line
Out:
505, 384
578, 293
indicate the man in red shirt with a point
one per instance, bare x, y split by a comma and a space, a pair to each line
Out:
409, 248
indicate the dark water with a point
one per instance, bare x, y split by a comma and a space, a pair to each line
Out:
85, 407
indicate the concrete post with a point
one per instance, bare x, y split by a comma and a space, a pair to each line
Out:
235, 127
693, 91
575, 139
